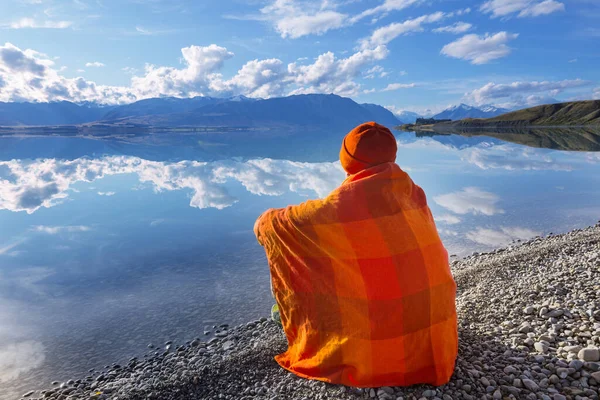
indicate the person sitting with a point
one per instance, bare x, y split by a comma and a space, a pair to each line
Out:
361, 278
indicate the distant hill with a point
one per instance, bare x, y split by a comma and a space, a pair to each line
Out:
167, 105
463, 111
560, 114
55, 113
311, 110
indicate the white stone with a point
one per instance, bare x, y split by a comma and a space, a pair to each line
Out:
572, 349
529, 310
589, 354
541, 347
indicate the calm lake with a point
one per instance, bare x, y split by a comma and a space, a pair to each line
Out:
108, 245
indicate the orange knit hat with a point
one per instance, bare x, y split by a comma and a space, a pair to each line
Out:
367, 145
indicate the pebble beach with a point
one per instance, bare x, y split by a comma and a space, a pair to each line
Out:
529, 328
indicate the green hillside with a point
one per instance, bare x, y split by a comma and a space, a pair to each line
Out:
576, 113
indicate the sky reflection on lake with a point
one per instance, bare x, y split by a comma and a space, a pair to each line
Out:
106, 247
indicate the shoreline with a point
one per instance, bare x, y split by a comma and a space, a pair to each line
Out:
529, 327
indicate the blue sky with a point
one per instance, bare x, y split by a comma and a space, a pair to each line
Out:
403, 54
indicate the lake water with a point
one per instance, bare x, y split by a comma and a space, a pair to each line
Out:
107, 245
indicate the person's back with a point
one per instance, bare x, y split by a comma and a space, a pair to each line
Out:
361, 277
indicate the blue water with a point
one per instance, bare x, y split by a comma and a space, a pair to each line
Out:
109, 245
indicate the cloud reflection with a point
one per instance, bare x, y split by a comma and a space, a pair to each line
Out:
470, 200
18, 358
489, 153
501, 237
19, 353
53, 230
30, 185
512, 157
6, 248
448, 219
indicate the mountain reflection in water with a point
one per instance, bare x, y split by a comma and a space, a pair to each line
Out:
556, 138
109, 244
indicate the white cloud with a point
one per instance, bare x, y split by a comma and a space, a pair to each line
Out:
448, 219
264, 78
298, 18
53, 230
480, 49
30, 23
501, 237
515, 91
386, 7
201, 67
524, 8
13, 60
376, 71
386, 34
331, 75
470, 200
106, 193
127, 70
574, 60
94, 64
295, 19
140, 30
596, 94
44, 183
26, 75
157, 222
456, 28
396, 86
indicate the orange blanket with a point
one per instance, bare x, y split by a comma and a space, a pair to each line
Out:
363, 284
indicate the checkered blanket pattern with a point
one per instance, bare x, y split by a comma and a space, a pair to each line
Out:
363, 284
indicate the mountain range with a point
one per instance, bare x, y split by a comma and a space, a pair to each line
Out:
569, 114
408, 117
54, 113
454, 113
311, 110
573, 113
463, 111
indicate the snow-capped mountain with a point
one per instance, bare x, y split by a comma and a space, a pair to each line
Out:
241, 97
462, 111
408, 117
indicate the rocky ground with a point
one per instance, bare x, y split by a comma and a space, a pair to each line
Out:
529, 325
